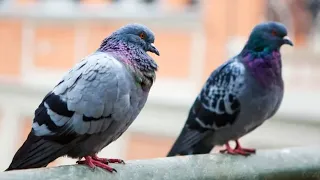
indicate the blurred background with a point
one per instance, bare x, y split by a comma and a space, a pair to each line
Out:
41, 39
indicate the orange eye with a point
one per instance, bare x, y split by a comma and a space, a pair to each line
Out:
142, 35
274, 33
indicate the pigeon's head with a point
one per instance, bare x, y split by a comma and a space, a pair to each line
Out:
137, 35
268, 36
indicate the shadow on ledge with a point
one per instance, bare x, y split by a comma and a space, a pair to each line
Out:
290, 163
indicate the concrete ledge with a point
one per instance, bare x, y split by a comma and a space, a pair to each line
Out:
291, 164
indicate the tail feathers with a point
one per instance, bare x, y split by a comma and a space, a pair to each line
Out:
177, 146
186, 143
35, 152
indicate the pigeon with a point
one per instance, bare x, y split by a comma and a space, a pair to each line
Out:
94, 103
239, 96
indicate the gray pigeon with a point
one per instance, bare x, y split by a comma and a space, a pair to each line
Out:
94, 103
238, 96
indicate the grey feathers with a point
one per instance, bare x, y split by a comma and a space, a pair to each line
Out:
216, 107
220, 95
239, 95
95, 102
230, 104
96, 91
221, 90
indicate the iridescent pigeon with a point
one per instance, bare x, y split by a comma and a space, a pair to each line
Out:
94, 103
238, 97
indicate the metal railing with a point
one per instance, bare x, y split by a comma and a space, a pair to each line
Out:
292, 163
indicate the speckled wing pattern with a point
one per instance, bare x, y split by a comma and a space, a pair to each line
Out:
215, 107
219, 97
86, 101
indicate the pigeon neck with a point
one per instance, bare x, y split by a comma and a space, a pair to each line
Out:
129, 54
136, 61
264, 66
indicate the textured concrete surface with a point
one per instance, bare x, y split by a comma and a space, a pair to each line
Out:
291, 163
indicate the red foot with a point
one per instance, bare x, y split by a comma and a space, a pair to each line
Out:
107, 161
238, 150
95, 161
248, 150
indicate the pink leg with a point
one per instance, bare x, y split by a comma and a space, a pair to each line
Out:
91, 162
228, 149
248, 150
235, 151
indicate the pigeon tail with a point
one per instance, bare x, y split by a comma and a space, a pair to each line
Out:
190, 142
200, 148
176, 148
36, 152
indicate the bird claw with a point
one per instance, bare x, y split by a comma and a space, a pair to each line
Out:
235, 152
238, 150
103, 160
248, 150
114, 170
107, 161
120, 161
94, 162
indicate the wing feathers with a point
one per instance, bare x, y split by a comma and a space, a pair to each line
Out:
216, 106
83, 102
36, 152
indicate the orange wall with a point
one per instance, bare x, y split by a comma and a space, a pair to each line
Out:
25, 2
174, 47
10, 47
54, 46
142, 146
225, 18
55, 42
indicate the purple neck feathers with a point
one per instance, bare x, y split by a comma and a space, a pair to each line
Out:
265, 67
129, 54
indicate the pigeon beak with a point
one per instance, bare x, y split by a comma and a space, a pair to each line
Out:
153, 49
286, 40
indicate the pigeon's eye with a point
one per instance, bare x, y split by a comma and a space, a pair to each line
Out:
142, 35
274, 32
